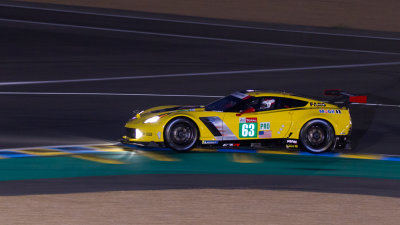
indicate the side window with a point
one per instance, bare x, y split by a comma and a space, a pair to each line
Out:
292, 103
271, 103
267, 103
245, 105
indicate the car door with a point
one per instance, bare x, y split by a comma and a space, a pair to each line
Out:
274, 123
260, 123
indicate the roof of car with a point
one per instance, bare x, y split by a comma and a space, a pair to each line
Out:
258, 93
268, 93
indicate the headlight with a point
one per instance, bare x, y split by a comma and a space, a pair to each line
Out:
152, 119
139, 134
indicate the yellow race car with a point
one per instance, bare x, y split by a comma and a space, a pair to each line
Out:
254, 119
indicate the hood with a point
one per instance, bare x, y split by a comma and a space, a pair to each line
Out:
170, 109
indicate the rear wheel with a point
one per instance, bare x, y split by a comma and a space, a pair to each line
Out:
181, 134
317, 136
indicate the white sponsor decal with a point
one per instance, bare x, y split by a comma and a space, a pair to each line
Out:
210, 142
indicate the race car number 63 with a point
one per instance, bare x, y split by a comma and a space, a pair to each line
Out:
248, 130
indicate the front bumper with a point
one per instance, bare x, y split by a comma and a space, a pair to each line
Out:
143, 134
141, 138
130, 141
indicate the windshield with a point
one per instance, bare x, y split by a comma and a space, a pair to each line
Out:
223, 104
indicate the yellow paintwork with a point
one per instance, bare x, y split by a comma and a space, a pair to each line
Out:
283, 122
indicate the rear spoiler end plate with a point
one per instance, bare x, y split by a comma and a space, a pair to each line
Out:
347, 98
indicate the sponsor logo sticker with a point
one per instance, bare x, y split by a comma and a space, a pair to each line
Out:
212, 142
265, 126
231, 145
331, 111
251, 120
248, 127
292, 146
248, 120
317, 104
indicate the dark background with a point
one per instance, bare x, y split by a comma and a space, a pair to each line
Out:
37, 51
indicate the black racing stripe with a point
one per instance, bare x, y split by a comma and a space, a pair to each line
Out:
167, 109
174, 109
210, 126
300, 108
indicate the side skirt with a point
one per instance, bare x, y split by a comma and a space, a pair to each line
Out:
273, 144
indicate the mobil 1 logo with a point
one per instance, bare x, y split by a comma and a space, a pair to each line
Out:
248, 127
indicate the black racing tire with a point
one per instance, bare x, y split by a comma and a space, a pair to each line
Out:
317, 136
181, 134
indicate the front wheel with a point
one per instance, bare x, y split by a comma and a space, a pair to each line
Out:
181, 134
317, 136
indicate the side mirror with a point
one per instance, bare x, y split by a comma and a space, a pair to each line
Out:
249, 110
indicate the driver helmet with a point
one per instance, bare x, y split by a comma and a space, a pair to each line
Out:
267, 103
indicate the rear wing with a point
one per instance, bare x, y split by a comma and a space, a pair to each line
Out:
344, 99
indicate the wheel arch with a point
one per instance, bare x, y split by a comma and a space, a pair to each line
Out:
318, 118
296, 128
185, 117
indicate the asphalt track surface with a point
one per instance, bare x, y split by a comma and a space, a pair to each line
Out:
86, 64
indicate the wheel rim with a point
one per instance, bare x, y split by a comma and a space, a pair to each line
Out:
181, 134
316, 136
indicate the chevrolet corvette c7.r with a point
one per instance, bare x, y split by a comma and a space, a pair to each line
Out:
249, 118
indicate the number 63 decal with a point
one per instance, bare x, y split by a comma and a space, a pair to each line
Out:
248, 130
